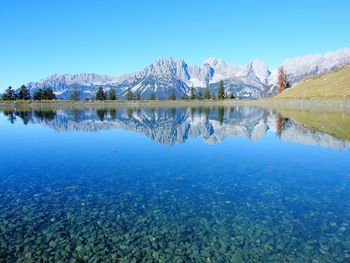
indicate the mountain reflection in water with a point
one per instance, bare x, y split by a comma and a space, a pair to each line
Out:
176, 125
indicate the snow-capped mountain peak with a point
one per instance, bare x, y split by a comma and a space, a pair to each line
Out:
260, 69
169, 67
214, 62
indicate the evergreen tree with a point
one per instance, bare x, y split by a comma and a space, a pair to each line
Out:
113, 114
47, 114
75, 95
129, 95
112, 95
213, 97
137, 96
172, 96
101, 113
38, 95
193, 96
47, 94
10, 114
221, 91
24, 115
207, 93
130, 112
220, 114
152, 97
200, 94
232, 96
100, 94
9, 94
184, 96
24, 93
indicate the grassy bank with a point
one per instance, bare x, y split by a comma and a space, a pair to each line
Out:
332, 85
273, 103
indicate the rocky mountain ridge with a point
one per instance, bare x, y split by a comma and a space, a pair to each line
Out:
168, 75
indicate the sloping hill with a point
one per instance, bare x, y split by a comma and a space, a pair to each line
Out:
335, 84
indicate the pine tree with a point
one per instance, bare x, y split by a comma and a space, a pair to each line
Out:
75, 95
24, 115
112, 95
129, 95
100, 94
221, 91
282, 80
220, 114
9, 94
101, 113
38, 95
138, 96
24, 93
172, 96
152, 97
113, 113
207, 93
193, 95
184, 96
213, 97
47, 94
200, 94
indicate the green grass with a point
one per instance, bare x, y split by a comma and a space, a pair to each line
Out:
332, 85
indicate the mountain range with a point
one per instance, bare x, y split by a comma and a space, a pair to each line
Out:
168, 75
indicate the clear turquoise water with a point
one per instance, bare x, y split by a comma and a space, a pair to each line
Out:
171, 185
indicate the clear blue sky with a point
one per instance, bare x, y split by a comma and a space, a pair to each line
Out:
38, 38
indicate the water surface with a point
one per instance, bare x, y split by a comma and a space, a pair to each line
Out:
172, 185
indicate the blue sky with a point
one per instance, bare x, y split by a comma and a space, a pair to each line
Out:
39, 38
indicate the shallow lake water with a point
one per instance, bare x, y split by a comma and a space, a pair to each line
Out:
171, 185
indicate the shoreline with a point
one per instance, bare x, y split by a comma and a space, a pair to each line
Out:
298, 104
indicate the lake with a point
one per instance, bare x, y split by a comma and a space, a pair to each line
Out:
201, 184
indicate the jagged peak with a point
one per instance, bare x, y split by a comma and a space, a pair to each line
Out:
213, 61
165, 67
79, 75
81, 78
258, 62
260, 69
169, 61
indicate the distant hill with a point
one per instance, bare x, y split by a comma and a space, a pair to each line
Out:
335, 84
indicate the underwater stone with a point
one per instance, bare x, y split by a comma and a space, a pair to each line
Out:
52, 244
